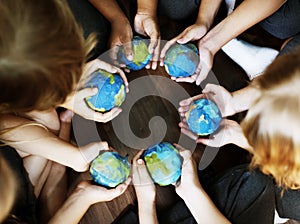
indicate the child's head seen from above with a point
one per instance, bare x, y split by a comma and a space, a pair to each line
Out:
42, 52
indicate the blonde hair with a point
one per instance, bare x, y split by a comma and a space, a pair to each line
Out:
42, 52
272, 124
8, 189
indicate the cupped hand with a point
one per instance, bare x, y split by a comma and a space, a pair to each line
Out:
184, 105
146, 25
191, 33
189, 175
121, 36
221, 97
96, 64
94, 193
143, 184
76, 103
225, 134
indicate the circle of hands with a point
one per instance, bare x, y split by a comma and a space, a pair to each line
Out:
121, 36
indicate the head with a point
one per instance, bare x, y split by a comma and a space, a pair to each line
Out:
42, 52
272, 124
7, 189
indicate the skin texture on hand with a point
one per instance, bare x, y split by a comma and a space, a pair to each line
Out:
75, 101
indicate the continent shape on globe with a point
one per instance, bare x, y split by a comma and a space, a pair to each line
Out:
181, 60
203, 117
109, 169
163, 162
111, 91
141, 55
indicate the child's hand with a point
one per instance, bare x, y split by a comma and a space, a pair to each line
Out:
221, 97
94, 193
77, 104
228, 132
189, 175
87, 154
185, 104
96, 64
143, 184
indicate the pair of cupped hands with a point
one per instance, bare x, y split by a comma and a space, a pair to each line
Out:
142, 182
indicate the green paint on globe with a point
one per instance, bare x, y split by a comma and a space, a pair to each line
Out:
203, 117
141, 56
181, 60
109, 169
163, 163
111, 91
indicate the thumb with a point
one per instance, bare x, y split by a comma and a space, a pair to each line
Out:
86, 92
92, 150
188, 36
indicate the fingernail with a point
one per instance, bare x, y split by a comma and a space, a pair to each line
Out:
140, 162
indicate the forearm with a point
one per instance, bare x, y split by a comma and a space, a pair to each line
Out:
202, 207
207, 12
147, 7
247, 14
34, 139
147, 212
109, 9
72, 210
244, 98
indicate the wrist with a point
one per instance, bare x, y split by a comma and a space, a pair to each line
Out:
147, 8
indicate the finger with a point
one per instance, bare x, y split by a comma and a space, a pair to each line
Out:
189, 133
186, 36
86, 92
123, 76
108, 116
190, 79
66, 116
165, 49
103, 146
188, 101
155, 57
183, 109
113, 52
128, 51
202, 74
153, 43
137, 156
183, 125
107, 67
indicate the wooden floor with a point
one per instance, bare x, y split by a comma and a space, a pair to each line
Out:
228, 74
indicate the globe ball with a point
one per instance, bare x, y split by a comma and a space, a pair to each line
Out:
163, 162
141, 55
111, 91
203, 117
109, 169
181, 60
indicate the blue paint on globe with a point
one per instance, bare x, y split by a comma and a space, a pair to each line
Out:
109, 169
163, 162
203, 117
181, 60
111, 91
141, 55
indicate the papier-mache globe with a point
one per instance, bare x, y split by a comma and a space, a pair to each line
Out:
181, 60
203, 117
163, 162
141, 55
109, 169
111, 91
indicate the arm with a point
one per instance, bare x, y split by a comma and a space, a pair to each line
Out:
32, 138
145, 191
82, 198
247, 14
194, 196
121, 32
145, 23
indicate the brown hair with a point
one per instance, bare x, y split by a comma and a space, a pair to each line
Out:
8, 189
42, 51
272, 124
